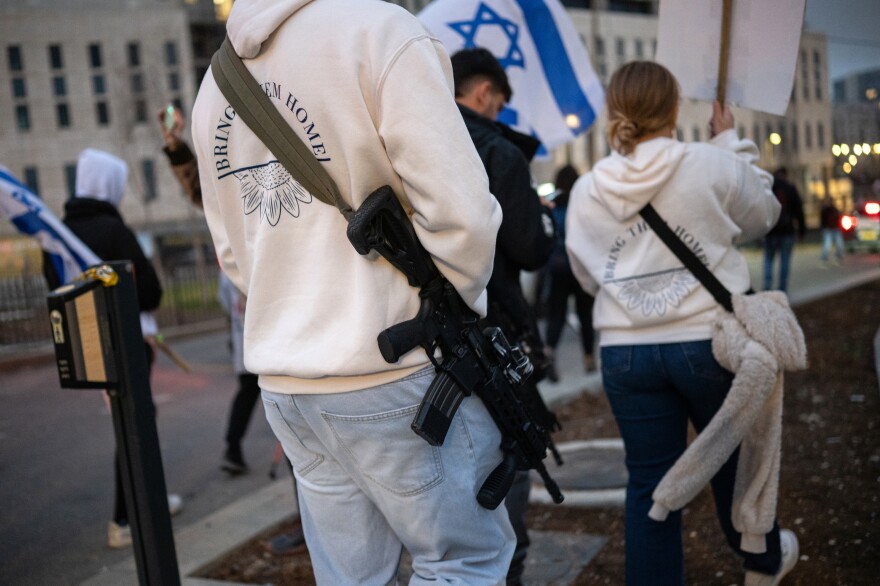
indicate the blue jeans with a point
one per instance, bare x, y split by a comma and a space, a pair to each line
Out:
829, 236
653, 391
782, 243
369, 486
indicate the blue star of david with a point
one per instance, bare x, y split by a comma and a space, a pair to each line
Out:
487, 17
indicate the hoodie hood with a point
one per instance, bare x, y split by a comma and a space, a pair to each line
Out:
101, 176
251, 22
624, 184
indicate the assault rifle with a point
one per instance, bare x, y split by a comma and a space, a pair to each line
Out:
473, 360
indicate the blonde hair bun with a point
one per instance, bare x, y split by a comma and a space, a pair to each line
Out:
642, 99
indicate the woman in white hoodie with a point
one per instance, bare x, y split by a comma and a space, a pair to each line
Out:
652, 315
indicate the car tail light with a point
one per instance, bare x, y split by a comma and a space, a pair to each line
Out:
848, 222
872, 208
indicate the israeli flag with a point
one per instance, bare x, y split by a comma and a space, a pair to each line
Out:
31, 216
556, 93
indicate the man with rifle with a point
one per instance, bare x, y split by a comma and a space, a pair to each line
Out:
525, 239
368, 91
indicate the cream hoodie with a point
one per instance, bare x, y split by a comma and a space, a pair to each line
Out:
370, 92
712, 195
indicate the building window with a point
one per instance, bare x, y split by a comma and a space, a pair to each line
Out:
808, 136
600, 47
134, 55
95, 58
178, 103
149, 171
19, 90
602, 70
170, 53
137, 83
679, 135
31, 179
13, 56
820, 135
653, 48
70, 179
794, 137
805, 77
140, 110
63, 115
768, 130
696, 134
22, 118
102, 112
59, 87
56, 60
756, 133
817, 73
174, 82
640, 49
741, 131
620, 46
98, 85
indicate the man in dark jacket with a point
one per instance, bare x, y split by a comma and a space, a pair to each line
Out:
93, 217
526, 237
781, 238
831, 234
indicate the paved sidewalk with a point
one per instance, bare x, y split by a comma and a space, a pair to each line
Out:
593, 474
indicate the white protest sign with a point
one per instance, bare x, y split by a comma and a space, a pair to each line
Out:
764, 41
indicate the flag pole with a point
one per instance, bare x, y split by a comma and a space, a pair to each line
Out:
724, 55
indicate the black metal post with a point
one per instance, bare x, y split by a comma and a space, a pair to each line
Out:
137, 441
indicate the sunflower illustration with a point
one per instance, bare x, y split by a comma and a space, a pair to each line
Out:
269, 188
654, 293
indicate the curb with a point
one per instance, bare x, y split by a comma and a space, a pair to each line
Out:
593, 498
204, 542
44, 353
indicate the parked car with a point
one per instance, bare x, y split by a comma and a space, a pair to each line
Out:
861, 228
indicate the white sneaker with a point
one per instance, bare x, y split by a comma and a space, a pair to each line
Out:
790, 553
118, 536
175, 504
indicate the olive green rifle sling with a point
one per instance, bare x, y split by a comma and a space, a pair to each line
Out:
253, 106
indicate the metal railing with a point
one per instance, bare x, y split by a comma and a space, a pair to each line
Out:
189, 298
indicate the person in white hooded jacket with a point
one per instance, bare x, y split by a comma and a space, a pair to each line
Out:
93, 216
653, 316
370, 93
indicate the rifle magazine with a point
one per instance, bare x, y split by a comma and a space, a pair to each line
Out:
437, 409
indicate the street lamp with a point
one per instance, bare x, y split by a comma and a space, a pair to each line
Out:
773, 140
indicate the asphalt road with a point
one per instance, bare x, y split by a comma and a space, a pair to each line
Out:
56, 453
56, 445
